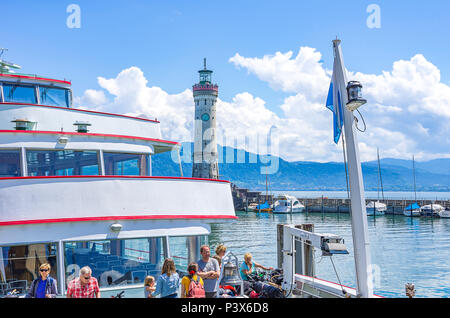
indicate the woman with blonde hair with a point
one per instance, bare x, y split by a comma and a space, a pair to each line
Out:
149, 286
220, 253
249, 267
168, 282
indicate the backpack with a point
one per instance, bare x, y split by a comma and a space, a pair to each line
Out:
196, 289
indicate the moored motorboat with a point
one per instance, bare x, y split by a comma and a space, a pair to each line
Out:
445, 213
288, 204
376, 208
432, 210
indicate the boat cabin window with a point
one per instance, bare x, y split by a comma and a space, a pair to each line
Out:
19, 93
62, 163
123, 164
115, 262
10, 163
19, 265
186, 249
53, 96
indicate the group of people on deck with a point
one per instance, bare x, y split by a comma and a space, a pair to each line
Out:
204, 273
201, 280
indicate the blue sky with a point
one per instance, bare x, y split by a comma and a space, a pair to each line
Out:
167, 40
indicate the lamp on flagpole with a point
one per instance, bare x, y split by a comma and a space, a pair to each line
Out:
355, 99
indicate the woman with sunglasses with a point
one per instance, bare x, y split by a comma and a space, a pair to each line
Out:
43, 286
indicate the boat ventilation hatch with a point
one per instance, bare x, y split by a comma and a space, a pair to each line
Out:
23, 124
82, 126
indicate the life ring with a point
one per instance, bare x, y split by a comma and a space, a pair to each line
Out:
107, 278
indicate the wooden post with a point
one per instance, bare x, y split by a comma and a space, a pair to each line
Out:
322, 206
280, 228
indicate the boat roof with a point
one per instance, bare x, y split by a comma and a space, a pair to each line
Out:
435, 206
376, 204
286, 197
32, 79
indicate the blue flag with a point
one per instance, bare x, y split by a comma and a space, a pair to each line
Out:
334, 103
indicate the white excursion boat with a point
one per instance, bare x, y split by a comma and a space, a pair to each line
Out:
412, 210
431, 210
376, 208
288, 204
76, 189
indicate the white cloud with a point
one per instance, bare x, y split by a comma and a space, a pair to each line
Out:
402, 102
407, 112
93, 97
303, 74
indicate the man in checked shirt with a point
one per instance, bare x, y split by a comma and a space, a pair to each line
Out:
84, 286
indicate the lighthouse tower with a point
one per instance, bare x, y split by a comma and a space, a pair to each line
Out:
205, 163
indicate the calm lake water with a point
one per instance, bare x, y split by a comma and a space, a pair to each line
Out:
403, 250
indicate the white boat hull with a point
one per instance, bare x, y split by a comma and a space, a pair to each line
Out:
376, 208
377, 212
433, 210
42, 209
414, 213
445, 214
285, 210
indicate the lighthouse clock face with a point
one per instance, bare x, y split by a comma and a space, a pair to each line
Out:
205, 117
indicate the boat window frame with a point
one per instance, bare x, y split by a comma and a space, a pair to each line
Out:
18, 83
100, 158
68, 97
148, 165
62, 273
52, 245
1, 92
200, 239
21, 163
26, 149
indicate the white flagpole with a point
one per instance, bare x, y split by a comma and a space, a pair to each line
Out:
363, 263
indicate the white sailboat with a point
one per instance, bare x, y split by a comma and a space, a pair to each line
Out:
377, 208
413, 209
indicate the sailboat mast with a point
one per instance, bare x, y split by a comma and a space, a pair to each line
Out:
414, 175
379, 174
267, 198
360, 231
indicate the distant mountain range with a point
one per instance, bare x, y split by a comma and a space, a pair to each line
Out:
396, 174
